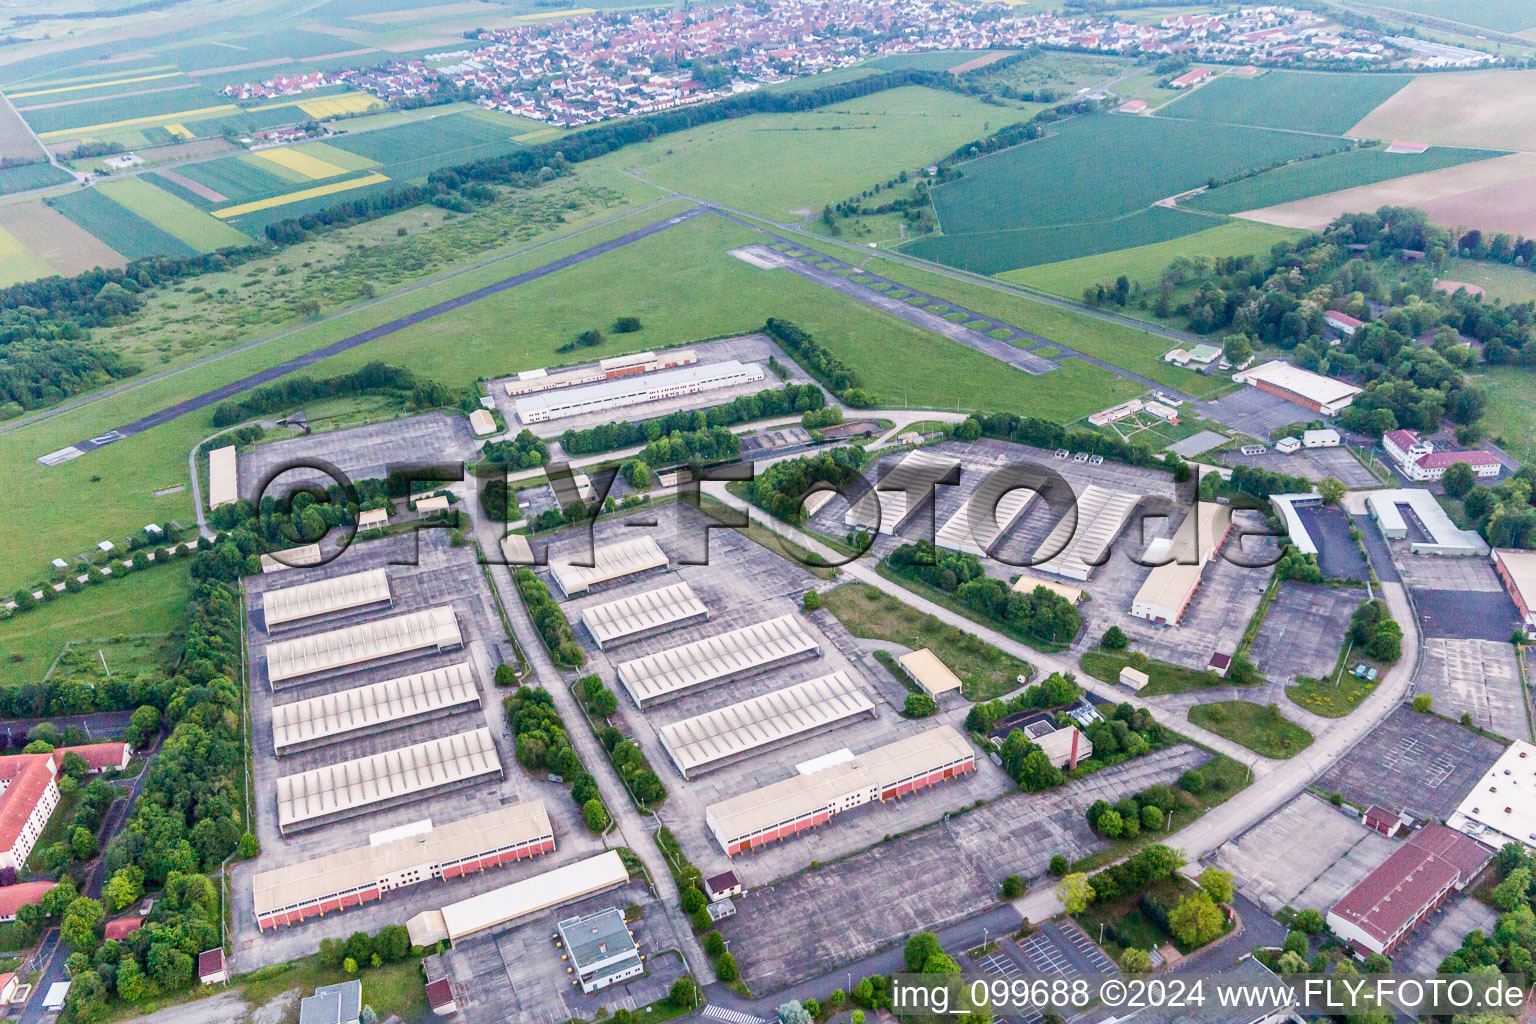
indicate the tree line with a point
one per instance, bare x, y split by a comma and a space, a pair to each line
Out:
1040, 614
818, 361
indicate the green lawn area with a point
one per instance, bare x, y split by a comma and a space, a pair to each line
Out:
1329, 698
867, 612
1224, 779
1499, 280
1165, 677
1050, 69
1146, 263
57, 828
776, 164
153, 600
90, 661
1510, 418
1326, 102
1261, 728
398, 989
1147, 87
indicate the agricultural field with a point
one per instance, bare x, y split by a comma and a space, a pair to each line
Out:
1067, 195
1146, 263
117, 226
1329, 103
63, 246
1517, 17
1065, 73
1496, 195
17, 262
1475, 109
777, 164
30, 176
16, 143
172, 215
414, 149
1332, 173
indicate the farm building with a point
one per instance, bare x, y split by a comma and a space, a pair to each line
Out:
1427, 517
930, 673
223, 480
1517, 570
349, 878
1167, 590
887, 505
325, 597
1079, 542
785, 808
1419, 460
749, 650
642, 615
377, 707
1303, 387
635, 389
725, 734
386, 779
1502, 806
611, 562
601, 948
512, 902
432, 629
1378, 913
1133, 107
989, 512
1190, 78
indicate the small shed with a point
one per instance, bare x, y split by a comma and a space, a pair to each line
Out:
1135, 678
723, 886
929, 672
211, 968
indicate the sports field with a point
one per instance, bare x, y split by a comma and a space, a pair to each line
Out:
1476, 109
777, 164
1071, 194
1146, 263
117, 226
30, 176
172, 215
1326, 102
1331, 173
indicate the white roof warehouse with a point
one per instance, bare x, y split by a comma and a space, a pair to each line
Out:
635, 390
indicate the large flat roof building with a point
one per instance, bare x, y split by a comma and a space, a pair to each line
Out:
709, 740
610, 562
1517, 570
1078, 544
350, 878
643, 615
788, 807
325, 597
1380, 911
1408, 511
635, 389
1303, 387
601, 948
989, 512
888, 504
512, 902
433, 629
738, 653
1501, 808
1169, 587
365, 710
388, 779
223, 479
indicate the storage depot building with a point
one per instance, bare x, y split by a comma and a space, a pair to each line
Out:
887, 505
1501, 808
1168, 588
626, 390
350, 878
989, 512
610, 562
1303, 387
388, 779
930, 673
643, 615
1078, 544
223, 479
786, 808
325, 597
1517, 571
1384, 907
365, 710
433, 629
669, 674
715, 737
512, 902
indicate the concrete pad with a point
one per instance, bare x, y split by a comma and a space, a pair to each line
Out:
1476, 677
1440, 936
1304, 630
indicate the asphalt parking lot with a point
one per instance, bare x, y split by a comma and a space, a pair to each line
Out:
1476, 677
1255, 412
1304, 630
1467, 615
361, 452
1305, 855
802, 925
1440, 936
1414, 762
1338, 556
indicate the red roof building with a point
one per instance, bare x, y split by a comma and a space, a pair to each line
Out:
29, 792
1417, 459
14, 897
211, 968
1343, 322
122, 927
1379, 912
1190, 78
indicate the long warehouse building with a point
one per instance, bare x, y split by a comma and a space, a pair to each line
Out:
350, 878
749, 650
988, 513
388, 779
1168, 588
643, 615
610, 563
518, 900
325, 597
636, 389
786, 808
377, 707
888, 505
1078, 544
289, 662
223, 477
716, 737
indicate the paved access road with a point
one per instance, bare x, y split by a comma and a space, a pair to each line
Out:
373, 334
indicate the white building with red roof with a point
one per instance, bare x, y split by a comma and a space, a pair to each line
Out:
1380, 911
1417, 459
14, 897
29, 792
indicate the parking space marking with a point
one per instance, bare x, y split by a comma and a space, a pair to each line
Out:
1044, 955
998, 963
1086, 946
1439, 770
